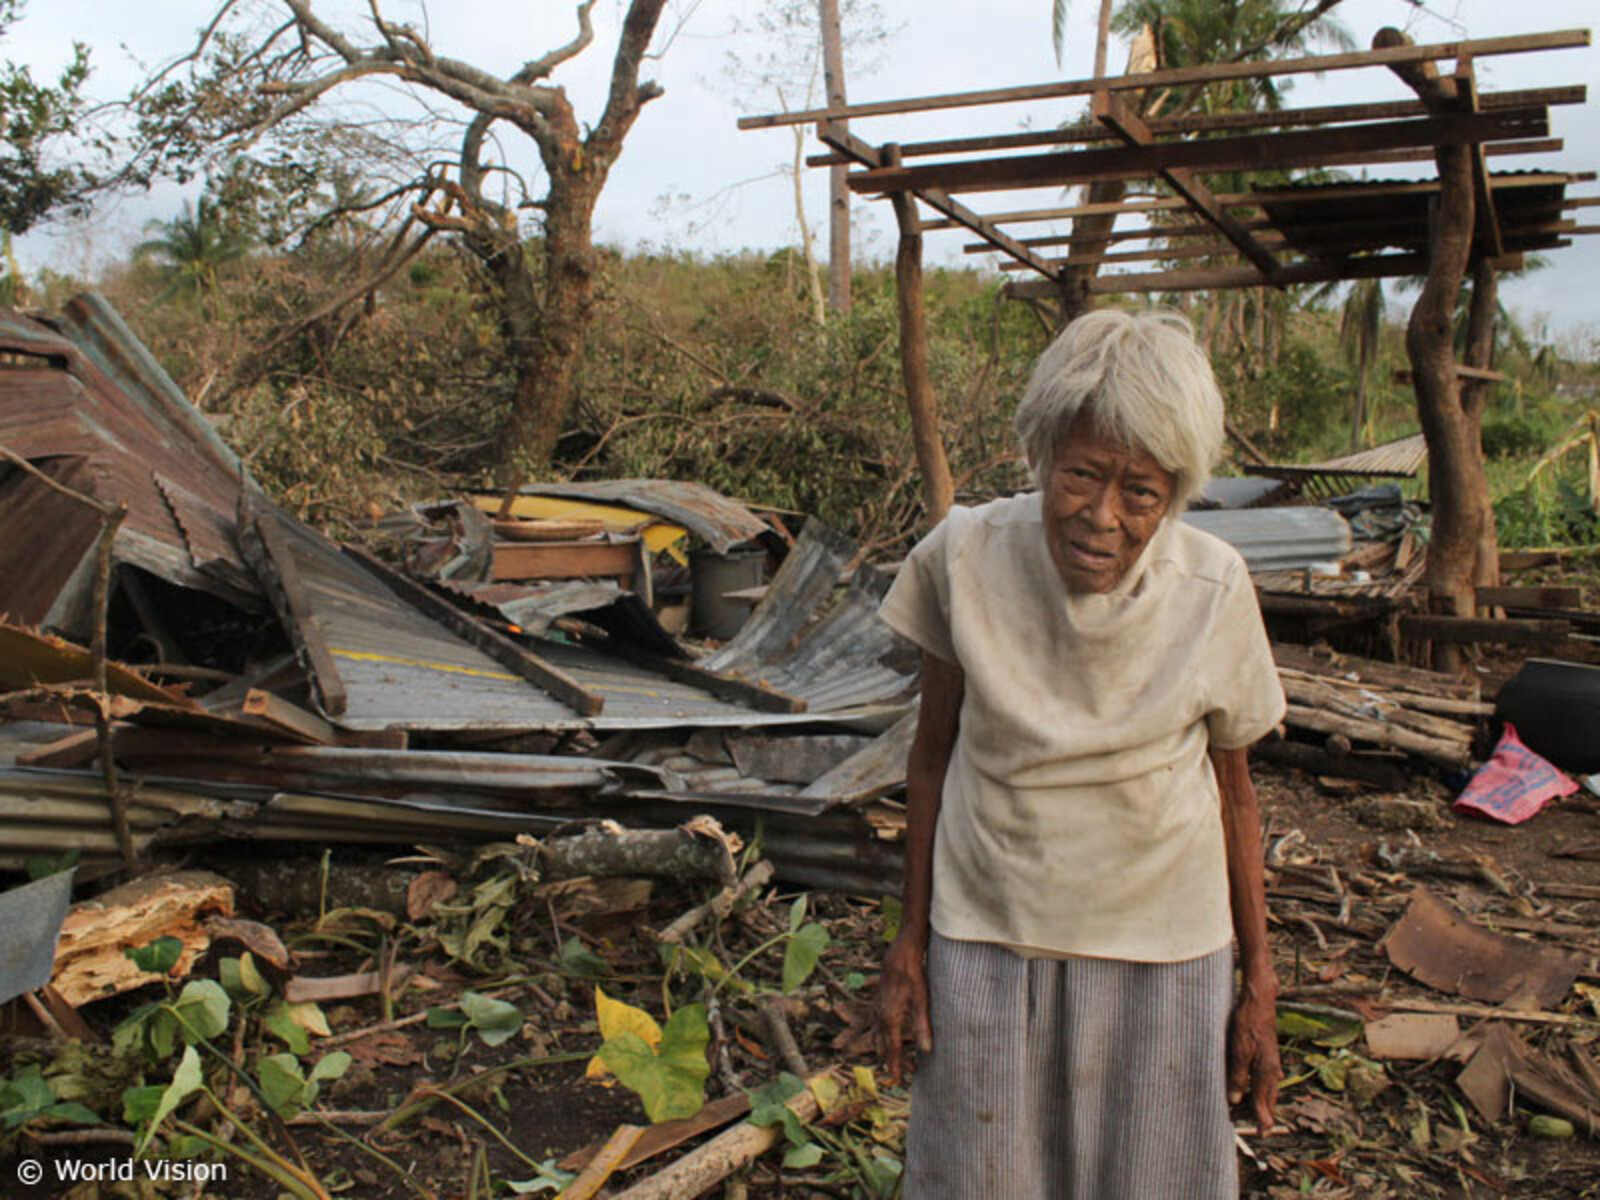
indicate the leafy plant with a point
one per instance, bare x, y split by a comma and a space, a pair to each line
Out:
29, 1096
851, 1114
200, 1010
288, 1088
495, 1021
804, 949
666, 1068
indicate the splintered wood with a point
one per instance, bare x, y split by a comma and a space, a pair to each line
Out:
1349, 700
90, 963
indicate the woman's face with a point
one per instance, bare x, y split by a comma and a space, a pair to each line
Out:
1102, 503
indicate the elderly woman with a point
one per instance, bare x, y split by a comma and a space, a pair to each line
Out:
1084, 840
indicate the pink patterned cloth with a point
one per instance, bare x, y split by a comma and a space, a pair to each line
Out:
1514, 784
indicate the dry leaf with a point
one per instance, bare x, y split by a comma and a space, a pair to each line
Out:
425, 891
389, 1049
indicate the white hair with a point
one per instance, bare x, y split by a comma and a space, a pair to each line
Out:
1143, 381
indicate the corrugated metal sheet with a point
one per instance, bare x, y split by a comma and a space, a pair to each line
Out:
35, 574
1276, 538
1247, 492
829, 650
712, 517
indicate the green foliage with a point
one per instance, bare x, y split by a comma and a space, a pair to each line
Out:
157, 957
186, 1080
35, 117
40, 866
200, 1011
1546, 511
494, 1020
804, 949
286, 1086
28, 1096
193, 248
669, 1077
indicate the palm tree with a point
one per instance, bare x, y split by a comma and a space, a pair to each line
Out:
193, 246
1190, 32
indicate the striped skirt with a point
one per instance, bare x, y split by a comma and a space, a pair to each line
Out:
1072, 1079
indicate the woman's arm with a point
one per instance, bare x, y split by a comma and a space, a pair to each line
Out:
1253, 1033
903, 989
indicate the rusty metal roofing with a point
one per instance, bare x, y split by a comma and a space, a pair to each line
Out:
38, 574
712, 517
85, 388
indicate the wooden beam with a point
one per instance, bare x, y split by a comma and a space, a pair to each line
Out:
937, 199
1181, 76
268, 554
1254, 199
1202, 199
1366, 267
289, 718
1524, 632
513, 657
1288, 118
1276, 151
1487, 220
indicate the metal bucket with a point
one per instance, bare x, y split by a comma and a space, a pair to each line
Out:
711, 577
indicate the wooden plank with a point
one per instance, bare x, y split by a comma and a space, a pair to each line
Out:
1287, 118
1376, 266
71, 751
1340, 145
1180, 76
1475, 629
1254, 199
1201, 198
565, 560
502, 649
937, 199
1527, 597
1487, 230
290, 718
267, 552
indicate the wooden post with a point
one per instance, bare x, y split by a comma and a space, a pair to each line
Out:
838, 192
938, 489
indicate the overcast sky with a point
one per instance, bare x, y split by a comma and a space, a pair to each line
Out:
688, 178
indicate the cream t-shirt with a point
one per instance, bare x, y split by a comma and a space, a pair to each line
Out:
1080, 814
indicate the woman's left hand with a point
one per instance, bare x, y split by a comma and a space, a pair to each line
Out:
1253, 1065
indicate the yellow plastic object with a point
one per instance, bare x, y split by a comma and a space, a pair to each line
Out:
658, 535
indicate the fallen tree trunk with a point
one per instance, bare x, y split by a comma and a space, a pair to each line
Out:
1447, 753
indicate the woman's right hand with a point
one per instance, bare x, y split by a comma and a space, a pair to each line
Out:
902, 1008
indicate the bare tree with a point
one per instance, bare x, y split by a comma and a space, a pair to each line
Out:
246, 85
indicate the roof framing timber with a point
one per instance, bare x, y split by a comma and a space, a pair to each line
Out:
1142, 205
1206, 73
1339, 146
1126, 124
868, 155
1288, 118
1280, 242
1373, 266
